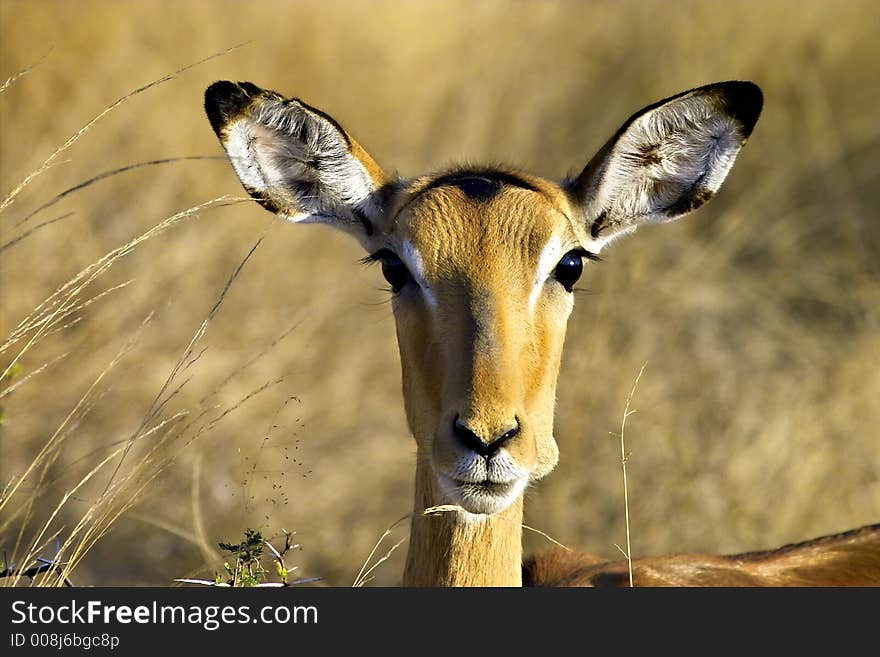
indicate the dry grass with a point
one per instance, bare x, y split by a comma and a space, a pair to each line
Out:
760, 315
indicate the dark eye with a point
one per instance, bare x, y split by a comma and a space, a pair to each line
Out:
394, 271
569, 269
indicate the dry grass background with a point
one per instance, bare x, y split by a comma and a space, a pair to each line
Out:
758, 317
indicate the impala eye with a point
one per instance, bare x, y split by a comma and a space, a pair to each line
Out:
569, 269
393, 269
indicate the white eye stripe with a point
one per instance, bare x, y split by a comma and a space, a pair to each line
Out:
546, 265
413, 261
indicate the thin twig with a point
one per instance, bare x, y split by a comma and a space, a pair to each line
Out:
358, 581
27, 69
12, 388
626, 414
442, 508
42, 566
547, 536
27, 233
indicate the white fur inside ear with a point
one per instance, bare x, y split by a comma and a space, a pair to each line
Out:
673, 153
297, 160
239, 142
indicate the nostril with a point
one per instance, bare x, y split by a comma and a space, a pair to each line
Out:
472, 441
468, 438
503, 438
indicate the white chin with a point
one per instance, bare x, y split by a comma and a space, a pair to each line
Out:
484, 498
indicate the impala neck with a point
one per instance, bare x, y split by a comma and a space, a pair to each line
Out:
455, 548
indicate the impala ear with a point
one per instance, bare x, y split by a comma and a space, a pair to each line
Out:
295, 160
667, 159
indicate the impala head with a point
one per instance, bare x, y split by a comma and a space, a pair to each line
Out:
481, 262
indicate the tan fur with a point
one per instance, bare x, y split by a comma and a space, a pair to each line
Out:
481, 319
483, 356
848, 559
373, 170
450, 549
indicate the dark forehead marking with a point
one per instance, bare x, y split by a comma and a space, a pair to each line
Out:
480, 185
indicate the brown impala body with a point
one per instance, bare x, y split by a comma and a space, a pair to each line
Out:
481, 262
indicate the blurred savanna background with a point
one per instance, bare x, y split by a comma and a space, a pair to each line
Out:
173, 376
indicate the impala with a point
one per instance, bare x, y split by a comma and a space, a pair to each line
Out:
481, 263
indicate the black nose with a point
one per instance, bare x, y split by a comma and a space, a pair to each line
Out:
472, 441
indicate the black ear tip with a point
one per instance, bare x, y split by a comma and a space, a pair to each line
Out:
224, 100
744, 101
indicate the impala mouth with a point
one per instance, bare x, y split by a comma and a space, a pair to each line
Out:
482, 497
